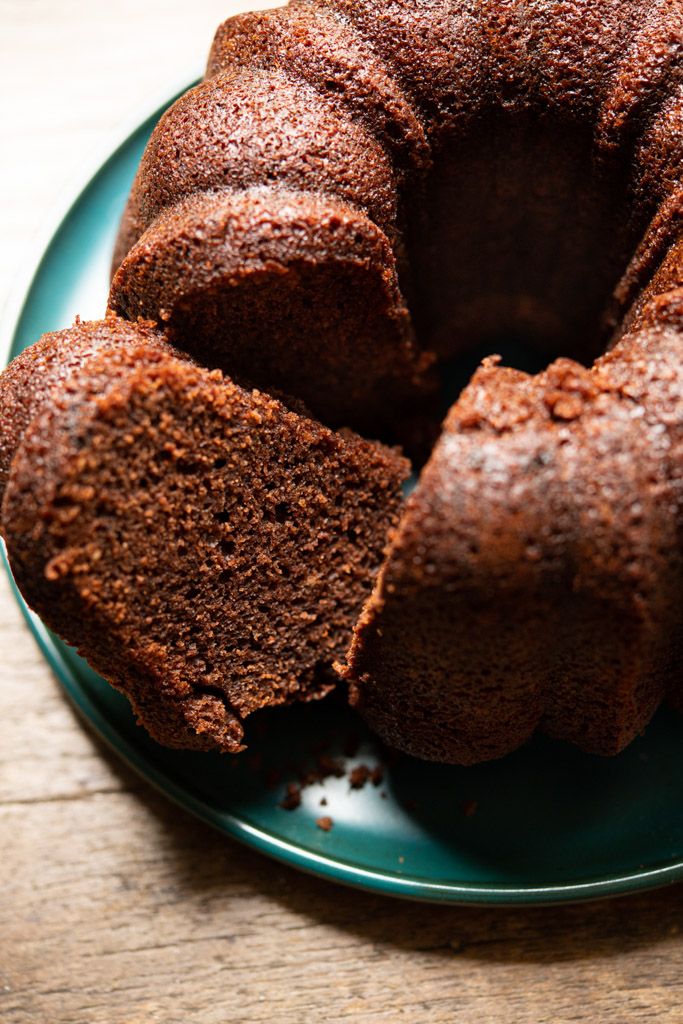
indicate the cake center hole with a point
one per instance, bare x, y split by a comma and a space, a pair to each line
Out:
520, 244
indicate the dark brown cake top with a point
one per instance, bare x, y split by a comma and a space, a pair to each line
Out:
50, 365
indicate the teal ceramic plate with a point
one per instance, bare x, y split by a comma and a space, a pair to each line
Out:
543, 825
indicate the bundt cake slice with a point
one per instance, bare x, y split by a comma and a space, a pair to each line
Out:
207, 550
536, 578
324, 265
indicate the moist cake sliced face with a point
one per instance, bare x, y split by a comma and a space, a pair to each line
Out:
205, 549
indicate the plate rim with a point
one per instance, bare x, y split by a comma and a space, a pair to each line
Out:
287, 852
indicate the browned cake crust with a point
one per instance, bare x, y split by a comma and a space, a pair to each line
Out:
205, 549
319, 261
49, 365
344, 70
536, 579
275, 161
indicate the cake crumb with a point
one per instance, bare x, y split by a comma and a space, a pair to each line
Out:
358, 776
362, 773
323, 802
292, 798
325, 823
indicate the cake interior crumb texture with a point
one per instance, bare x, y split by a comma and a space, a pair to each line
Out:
206, 549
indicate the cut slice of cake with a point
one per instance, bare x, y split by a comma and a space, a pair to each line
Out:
207, 550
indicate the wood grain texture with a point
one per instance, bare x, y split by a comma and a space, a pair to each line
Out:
115, 907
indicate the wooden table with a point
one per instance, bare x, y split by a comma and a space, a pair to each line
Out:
115, 906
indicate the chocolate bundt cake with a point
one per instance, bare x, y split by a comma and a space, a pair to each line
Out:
359, 192
207, 550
